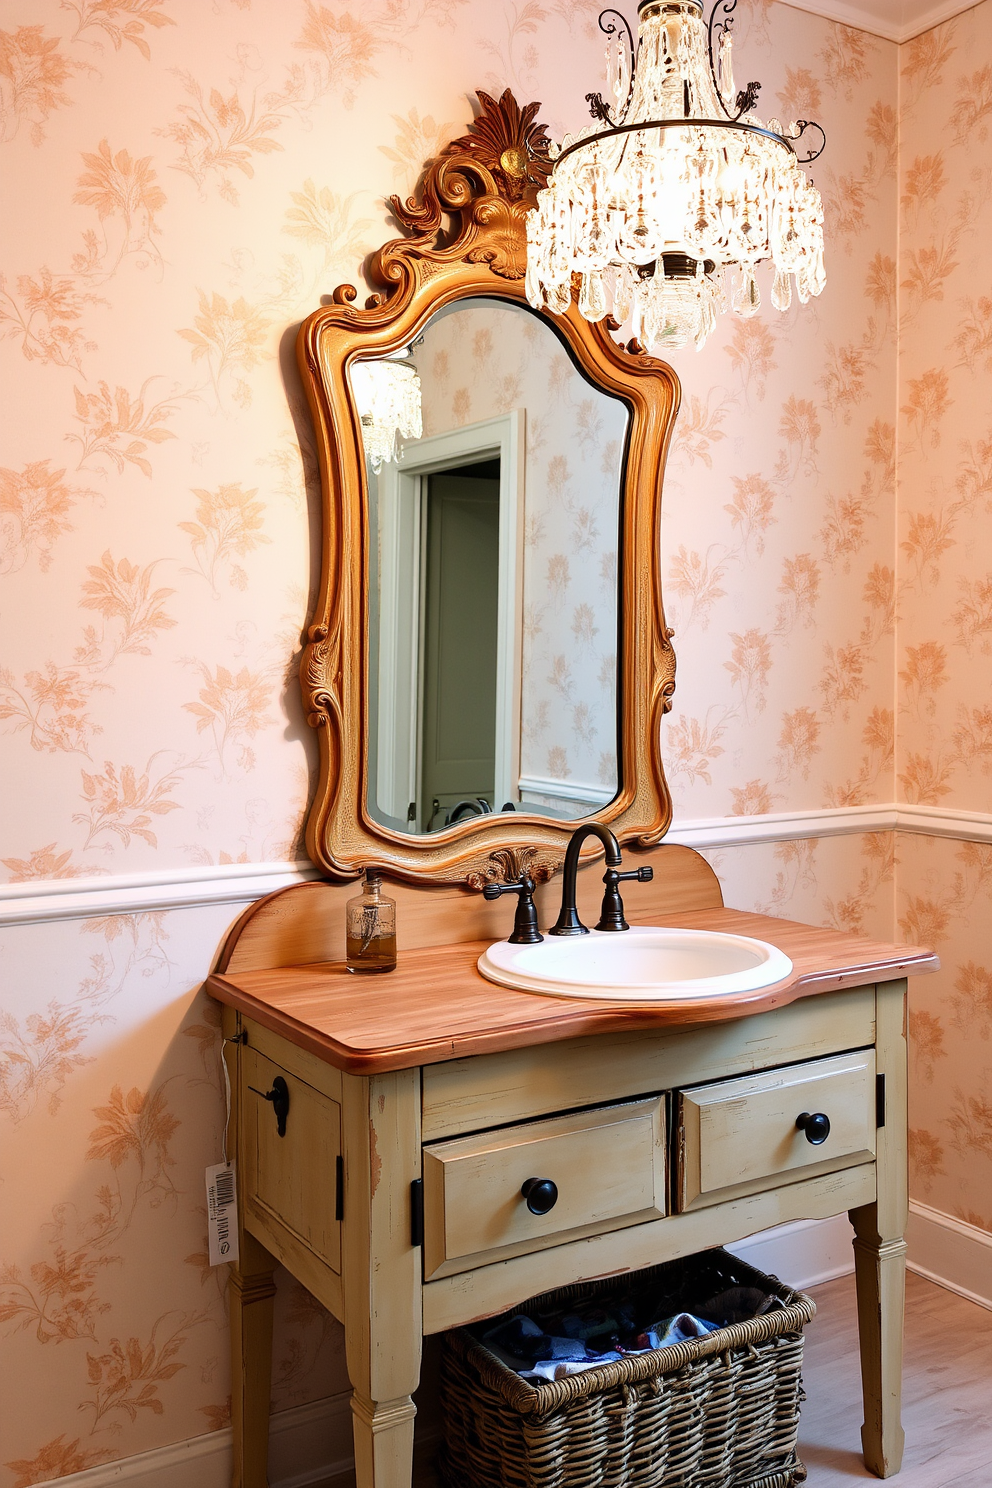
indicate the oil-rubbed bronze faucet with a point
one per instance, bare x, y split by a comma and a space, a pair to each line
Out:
525, 929
611, 915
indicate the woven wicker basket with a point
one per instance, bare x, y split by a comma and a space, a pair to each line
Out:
717, 1412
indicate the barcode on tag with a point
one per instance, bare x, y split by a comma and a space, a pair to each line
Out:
222, 1214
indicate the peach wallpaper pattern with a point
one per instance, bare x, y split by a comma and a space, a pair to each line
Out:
945, 595
183, 182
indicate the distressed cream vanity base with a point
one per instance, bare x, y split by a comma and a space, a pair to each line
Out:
431, 1087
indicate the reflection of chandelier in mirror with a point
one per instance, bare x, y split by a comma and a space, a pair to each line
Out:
387, 395
667, 202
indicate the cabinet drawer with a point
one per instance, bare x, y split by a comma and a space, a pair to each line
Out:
291, 1180
736, 1137
608, 1165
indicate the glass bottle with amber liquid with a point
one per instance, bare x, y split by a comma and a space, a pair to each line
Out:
371, 928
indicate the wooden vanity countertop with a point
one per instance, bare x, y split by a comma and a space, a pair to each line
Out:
437, 1006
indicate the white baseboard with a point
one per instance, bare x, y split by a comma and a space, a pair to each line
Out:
311, 1442
943, 1249
803, 1253
956, 1255
307, 1444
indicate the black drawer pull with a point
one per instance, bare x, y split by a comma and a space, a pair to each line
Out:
815, 1127
541, 1195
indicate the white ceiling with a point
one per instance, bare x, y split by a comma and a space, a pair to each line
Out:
896, 20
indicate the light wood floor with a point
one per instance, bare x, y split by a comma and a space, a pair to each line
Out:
947, 1391
947, 1399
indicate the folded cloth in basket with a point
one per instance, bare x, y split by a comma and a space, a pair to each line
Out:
535, 1355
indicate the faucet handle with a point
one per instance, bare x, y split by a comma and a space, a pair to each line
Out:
525, 927
611, 915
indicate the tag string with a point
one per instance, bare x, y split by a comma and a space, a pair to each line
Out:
227, 1093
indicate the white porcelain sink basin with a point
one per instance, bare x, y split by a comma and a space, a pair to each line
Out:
642, 964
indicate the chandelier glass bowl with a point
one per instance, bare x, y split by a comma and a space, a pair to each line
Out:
668, 201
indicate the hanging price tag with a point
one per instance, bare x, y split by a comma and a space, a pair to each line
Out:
222, 1214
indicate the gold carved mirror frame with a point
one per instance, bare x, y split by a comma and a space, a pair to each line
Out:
485, 183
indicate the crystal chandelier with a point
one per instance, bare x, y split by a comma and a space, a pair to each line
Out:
388, 398
665, 204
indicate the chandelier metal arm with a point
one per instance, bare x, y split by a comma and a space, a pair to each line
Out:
727, 8
747, 98
801, 127
617, 129
597, 107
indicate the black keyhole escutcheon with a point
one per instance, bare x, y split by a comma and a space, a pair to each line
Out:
279, 1096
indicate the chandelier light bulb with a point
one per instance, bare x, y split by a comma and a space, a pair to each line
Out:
668, 201
730, 178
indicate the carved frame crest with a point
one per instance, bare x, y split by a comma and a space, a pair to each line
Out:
485, 183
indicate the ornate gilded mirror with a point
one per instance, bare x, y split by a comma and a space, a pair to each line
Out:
488, 662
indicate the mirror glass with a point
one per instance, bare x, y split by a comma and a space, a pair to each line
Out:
495, 478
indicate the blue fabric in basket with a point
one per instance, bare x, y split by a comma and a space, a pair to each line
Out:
535, 1355
564, 1343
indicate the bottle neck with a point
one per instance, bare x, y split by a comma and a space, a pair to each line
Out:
372, 887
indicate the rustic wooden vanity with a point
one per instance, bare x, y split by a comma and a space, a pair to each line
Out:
421, 1101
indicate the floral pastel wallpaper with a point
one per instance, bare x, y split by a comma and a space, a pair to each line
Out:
780, 492
944, 736
182, 184
488, 360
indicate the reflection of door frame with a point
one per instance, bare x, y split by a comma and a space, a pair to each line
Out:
402, 494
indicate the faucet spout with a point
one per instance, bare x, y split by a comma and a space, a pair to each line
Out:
568, 922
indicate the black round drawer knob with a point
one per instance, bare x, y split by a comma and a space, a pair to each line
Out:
541, 1195
815, 1126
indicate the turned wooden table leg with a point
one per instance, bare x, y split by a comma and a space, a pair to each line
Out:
880, 1267
251, 1292
383, 1442
880, 1249
382, 1272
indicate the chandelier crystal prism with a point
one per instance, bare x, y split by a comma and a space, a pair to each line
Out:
388, 397
666, 203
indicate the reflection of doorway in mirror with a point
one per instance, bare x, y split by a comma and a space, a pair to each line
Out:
477, 359
458, 694
447, 725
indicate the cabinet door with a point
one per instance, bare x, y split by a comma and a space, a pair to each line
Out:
736, 1137
291, 1180
607, 1164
